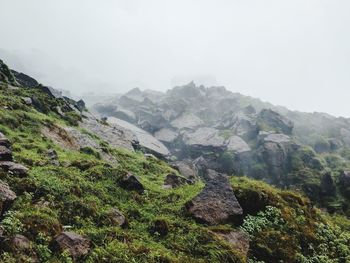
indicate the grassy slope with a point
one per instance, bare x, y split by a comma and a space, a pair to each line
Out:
80, 192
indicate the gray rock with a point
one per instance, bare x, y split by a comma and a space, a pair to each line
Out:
166, 135
76, 245
142, 139
172, 181
217, 203
237, 145
205, 137
24, 80
116, 218
187, 169
5, 153
276, 121
188, 121
14, 168
28, 101
7, 196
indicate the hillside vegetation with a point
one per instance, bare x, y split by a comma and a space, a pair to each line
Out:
77, 203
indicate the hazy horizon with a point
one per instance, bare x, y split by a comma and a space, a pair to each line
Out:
290, 53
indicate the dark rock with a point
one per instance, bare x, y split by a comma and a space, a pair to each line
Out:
344, 179
160, 227
116, 218
53, 156
14, 168
131, 182
5, 153
172, 181
37, 104
5, 142
76, 245
327, 185
80, 105
54, 93
217, 203
24, 80
7, 196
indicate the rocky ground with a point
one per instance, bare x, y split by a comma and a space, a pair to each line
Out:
154, 181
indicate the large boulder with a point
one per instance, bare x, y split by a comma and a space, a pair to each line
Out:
24, 80
142, 140
275, 121
187, 121
205, 140
274, 150
7, 196
14, 168
217, 203
187, 169
115, 217
76, 245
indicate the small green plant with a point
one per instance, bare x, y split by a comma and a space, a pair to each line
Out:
12, 225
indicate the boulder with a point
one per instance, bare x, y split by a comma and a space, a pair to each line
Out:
188, 121
76, 245
237, 145
187, 169
217, 203
14, 168
53, 156
116, 218
327, 185
172, 180
344, 179
7, 196
24, 80
5, 153
166, 135
275, 121
142, 140
28, 101
205, 140
18, 243
131, 182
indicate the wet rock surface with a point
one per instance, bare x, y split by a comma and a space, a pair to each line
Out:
217, 203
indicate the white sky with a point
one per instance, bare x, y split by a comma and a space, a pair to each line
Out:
294, 53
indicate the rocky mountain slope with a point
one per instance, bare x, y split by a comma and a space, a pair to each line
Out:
76, 188
240, 135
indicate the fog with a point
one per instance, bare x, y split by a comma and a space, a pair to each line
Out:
291, 53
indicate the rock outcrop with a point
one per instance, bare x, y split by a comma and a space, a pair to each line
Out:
76, 245
217, 203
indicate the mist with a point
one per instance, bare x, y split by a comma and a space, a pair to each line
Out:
290, 53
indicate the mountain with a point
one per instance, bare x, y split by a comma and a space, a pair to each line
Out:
78, 188
240, 135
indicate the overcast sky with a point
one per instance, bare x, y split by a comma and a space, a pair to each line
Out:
293, 53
